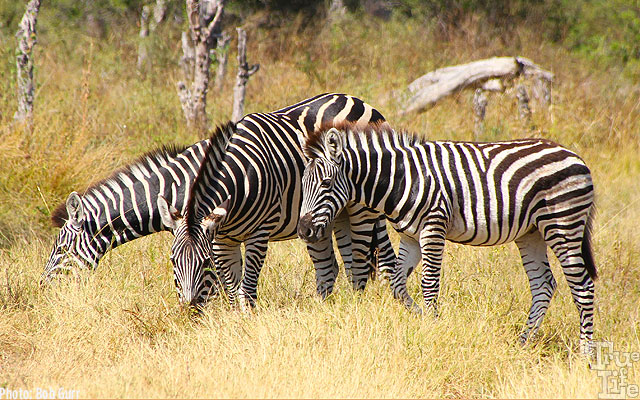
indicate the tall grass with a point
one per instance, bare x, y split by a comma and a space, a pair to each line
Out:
120, 332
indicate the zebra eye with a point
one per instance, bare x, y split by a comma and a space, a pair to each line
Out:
326, 183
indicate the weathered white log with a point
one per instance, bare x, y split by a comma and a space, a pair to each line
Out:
426, 91
493, 85
193, 97
24, 62
479, 110
244, 72
144, 33
222, 55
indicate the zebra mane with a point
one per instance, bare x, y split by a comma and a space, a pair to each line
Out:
214, 154
314, 143
159, 155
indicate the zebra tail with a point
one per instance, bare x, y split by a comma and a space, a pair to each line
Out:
587, 254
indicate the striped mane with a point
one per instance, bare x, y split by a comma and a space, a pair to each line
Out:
159, 155
214, 154
314, 144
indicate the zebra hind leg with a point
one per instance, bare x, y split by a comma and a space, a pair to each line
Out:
572, 247
386, 255
408, 258
533, 250
432, 240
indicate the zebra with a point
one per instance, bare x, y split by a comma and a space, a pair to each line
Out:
122, 207
254, 197
532, 192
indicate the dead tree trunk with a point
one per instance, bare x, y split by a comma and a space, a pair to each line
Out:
159, 12
149, 24
144, 33
222, 55
244, 72
196, 62
24, 62
479, 110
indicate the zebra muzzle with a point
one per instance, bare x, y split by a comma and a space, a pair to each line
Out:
308, 231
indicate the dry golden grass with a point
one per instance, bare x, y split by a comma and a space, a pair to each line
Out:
119, 332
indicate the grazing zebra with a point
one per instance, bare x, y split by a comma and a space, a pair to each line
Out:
531, 191
123, 207
254, 197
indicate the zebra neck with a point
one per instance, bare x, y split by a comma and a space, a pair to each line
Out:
378, 177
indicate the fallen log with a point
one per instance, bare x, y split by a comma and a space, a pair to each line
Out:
424, 92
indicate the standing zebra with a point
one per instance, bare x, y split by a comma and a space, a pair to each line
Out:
533, 192
254, 197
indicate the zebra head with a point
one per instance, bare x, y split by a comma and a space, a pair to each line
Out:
325, 188
193, 272
74, 246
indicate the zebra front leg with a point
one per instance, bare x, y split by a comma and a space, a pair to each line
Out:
408, 258
342, 231
432, 238
254, 254
364, 242
533, 250
227, 258
325, 265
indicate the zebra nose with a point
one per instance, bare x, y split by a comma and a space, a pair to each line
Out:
305, 228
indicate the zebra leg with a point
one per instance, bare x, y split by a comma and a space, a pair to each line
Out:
372, 247
363, 242
342, 231
408, 258
533, 250
227, 259
432, 238
325, 265
568, 246
369, 233
386, 255
255, 251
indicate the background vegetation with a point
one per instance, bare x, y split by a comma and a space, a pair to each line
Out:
120, 331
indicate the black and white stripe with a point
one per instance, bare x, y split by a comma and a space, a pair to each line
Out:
533, 192
254, 197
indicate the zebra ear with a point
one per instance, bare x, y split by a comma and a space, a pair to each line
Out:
217, 217
333, 145
169, 215
75, 209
